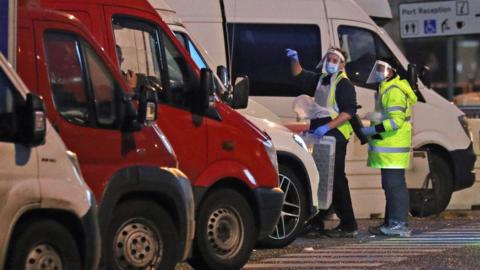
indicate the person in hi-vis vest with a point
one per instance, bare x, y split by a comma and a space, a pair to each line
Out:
391, 140
332, 90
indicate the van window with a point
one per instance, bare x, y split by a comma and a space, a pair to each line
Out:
80, 100
194, 52
363, 48
180, 75
10, 104
103, 87
6, 95
67, 77
191, 49
258, 51
137, 48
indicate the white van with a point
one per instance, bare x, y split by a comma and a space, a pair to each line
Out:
48, 216
297, 169
250, 36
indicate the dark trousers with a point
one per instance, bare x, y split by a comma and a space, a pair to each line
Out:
396, 195
341, 200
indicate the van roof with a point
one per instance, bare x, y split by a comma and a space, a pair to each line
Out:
379, 10
347, 10
141, 5
168, 14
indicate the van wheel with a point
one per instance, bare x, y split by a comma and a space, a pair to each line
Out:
435, 197
43, 244
294, 211
141, 235
226, 232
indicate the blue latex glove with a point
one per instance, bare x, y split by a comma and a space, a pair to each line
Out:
322, 130
292, 54
369, 131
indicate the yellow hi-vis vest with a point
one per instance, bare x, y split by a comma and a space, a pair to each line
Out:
394, 101
345, 128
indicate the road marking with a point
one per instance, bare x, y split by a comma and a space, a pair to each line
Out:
311, 265
345, 259
368, 254
375, 253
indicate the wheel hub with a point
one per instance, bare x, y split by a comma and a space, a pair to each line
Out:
137, 245
43, 257
225, 232
291, 209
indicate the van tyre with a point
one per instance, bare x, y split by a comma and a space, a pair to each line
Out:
294, 211
141, 235
43, 244
432, 201
225, 233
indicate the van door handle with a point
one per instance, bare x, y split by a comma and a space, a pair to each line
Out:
228, 145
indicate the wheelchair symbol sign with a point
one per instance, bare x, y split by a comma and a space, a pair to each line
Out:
429, 26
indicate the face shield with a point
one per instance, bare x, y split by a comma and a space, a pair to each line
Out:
330, 63
379, 72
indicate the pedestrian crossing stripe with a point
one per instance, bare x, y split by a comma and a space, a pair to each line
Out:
375, 253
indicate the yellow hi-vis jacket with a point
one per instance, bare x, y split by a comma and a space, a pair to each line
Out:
345, 128
394, 101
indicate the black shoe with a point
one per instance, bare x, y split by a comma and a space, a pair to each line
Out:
375, 230
313, 231
340, 232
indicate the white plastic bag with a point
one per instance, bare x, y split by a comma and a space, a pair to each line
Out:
306, 108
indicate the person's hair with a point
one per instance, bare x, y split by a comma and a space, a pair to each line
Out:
340, 50
392, 63
389, 61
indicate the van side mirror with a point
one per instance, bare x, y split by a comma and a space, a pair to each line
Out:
241, 91
204, 98
222, 73
412, 77
147, 105
35, 121
426, 76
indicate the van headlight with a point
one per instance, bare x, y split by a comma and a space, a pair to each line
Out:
76, 166
300, 141
464, 123
272, 153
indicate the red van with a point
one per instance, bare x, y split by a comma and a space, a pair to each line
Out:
146, 208
231, 163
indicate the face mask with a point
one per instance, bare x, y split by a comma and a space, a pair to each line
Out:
331, 68
379, 76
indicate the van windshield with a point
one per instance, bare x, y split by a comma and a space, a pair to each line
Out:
192, 50
363, 48
10, 105
197, 57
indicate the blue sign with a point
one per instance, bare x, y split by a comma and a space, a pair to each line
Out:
4, 27
430, 26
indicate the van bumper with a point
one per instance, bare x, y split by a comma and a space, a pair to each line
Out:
269, 205
463, 167
92, 236
187, 192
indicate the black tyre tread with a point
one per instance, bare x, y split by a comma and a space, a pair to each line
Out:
47, 231
157, 215
272, 243
201, 259
445, 178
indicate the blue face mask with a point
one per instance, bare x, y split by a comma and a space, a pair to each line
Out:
379, 76
331, 68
